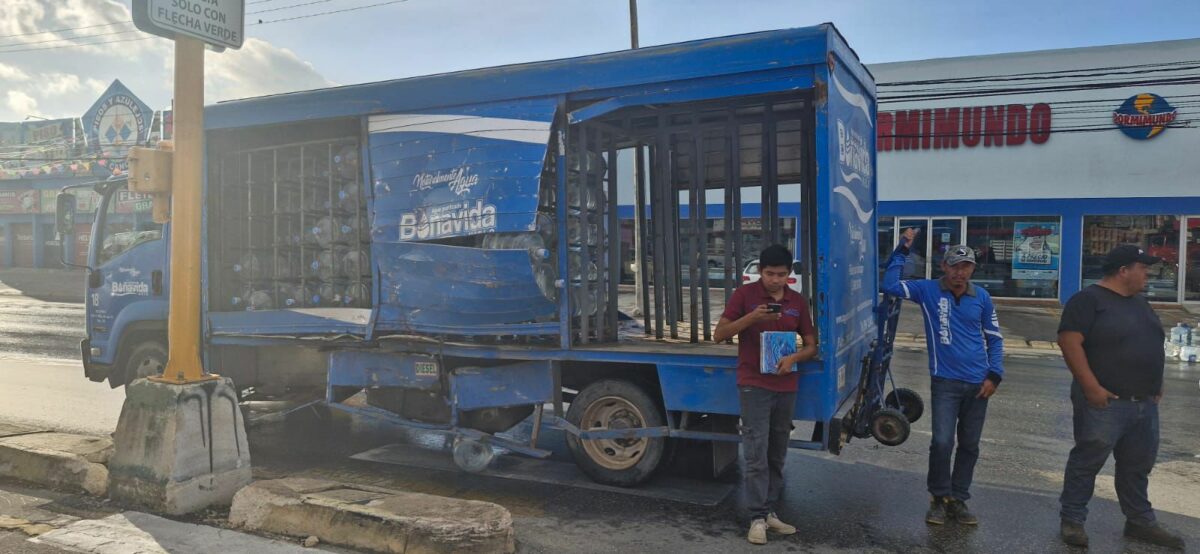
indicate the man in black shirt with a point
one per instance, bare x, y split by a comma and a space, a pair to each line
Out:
1112, 341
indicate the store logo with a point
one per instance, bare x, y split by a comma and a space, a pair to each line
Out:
118, 124
1144, 116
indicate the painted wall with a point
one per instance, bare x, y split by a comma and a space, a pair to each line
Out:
1075, 161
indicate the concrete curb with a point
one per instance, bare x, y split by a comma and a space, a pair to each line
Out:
371, 518
59, 460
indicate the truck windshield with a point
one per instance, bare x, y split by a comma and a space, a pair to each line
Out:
127, 223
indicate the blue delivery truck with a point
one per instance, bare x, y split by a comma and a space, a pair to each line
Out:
448, 248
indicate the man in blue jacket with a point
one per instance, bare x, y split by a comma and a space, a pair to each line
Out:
966, 349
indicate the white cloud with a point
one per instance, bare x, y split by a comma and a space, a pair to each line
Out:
259, 68
11, 74
19, 102
55, 84
64, 82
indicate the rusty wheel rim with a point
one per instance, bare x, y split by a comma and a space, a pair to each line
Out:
614, 412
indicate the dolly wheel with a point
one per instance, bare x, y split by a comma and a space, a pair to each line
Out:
889, 427
908, 402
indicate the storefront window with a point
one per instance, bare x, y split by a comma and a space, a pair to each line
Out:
1157, 234
1191, 287
1017, 256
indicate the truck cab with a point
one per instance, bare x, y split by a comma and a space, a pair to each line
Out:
127, 289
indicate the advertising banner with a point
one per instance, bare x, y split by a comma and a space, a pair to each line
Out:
20, 201
1036, 249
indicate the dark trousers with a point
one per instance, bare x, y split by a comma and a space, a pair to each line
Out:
766, 427
1129, 431
957, 412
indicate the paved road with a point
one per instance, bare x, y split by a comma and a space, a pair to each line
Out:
871, 498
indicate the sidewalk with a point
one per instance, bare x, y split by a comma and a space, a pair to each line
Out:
1028, 326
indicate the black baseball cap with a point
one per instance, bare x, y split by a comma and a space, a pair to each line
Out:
1126, 254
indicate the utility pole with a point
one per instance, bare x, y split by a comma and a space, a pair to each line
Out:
183, 323
180, 444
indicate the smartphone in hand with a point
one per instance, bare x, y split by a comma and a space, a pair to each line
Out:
774, 308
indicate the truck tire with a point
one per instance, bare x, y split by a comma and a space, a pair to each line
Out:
616, 404
147, 358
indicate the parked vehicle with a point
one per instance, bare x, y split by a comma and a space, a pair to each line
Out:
751, 275
450, 245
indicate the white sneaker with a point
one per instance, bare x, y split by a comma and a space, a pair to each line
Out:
758, 532
777, 526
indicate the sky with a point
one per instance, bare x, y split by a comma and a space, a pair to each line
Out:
42, 78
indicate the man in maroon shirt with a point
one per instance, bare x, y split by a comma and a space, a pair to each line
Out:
767, 398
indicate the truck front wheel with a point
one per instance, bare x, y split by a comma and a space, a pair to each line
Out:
146, 359
616, 404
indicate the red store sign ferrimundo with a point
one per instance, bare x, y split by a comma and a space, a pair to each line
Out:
968, 127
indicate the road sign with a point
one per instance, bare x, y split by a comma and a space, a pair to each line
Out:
220, 23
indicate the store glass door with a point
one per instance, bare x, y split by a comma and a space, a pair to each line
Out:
946, 233
917, 266
935, 235
1190, 278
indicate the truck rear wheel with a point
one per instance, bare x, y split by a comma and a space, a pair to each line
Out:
616, 404
146, 359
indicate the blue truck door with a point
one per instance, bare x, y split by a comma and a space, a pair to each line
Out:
129, 251
846, 200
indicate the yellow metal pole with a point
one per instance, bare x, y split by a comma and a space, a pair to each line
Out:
183, 324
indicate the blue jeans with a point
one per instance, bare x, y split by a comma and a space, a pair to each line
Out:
1129, 431
956, 412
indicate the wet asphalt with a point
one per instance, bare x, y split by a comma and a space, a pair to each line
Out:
871, 498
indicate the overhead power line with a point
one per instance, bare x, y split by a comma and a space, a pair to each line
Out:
343, 10
281, 8
64, 30
249, 24
76, 45
1114, 70
16, 44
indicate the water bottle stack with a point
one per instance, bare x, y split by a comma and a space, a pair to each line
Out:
1183, 343
586, 240
300, 236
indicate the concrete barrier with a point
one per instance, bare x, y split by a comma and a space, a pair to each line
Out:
372, 519
179, 448
58, 460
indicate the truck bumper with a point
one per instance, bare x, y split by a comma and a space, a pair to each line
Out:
93, 371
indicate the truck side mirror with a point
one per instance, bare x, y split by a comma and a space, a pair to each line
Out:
64, 214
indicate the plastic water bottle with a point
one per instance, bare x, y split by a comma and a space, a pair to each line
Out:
326, 231
327, 264
356, 263
1170, 349
355, 294
290, 296
252, 299
287, 266
576, 267
1189, 354
346, 162
249, 267
330, 294
348, 197
1177, 334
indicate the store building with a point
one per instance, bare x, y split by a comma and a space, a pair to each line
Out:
1041, 161
38, 157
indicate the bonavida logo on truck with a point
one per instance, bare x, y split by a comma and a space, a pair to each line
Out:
448, 220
